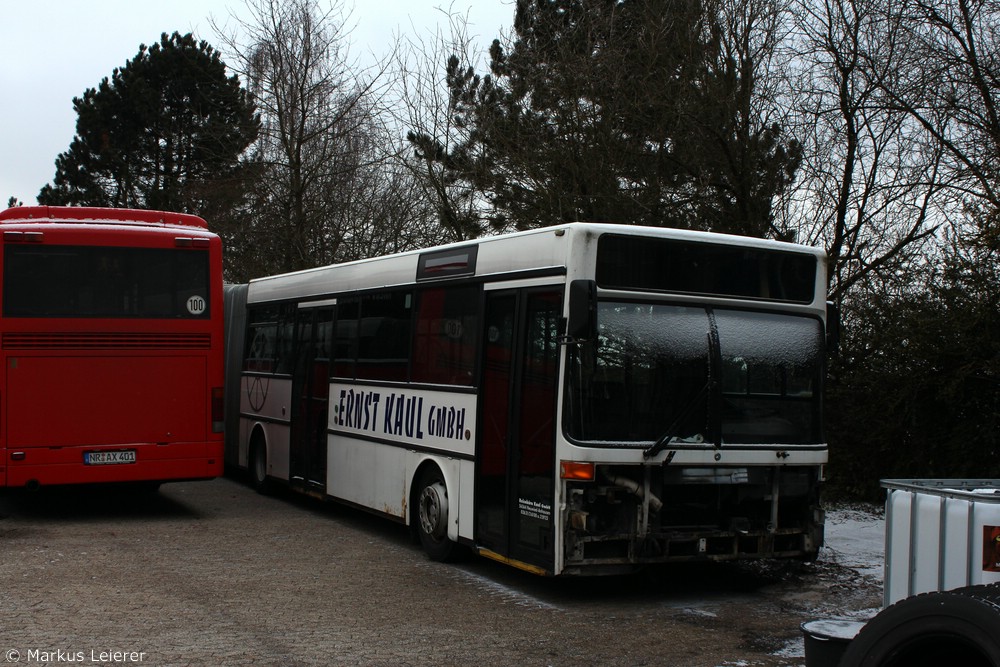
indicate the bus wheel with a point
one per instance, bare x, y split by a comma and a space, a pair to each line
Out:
432, 516
943, 628
258, 466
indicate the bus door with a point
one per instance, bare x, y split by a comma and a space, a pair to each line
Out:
515, 484
310, 397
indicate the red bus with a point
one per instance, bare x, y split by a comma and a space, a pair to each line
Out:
111, 338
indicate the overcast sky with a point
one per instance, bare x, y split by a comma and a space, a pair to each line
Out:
53, 50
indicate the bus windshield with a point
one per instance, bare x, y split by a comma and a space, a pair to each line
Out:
653, 363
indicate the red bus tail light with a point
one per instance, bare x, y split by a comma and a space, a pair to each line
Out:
218, 410
23, 237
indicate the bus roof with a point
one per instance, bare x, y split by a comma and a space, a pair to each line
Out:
537, 249
88, 214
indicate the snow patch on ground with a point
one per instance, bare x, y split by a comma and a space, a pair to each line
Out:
855, 538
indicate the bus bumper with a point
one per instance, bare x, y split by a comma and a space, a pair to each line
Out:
736, 513
146, 462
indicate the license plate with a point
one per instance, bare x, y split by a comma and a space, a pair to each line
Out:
109, 458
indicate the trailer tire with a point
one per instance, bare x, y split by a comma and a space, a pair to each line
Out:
957, 627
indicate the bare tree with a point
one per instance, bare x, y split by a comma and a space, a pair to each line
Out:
950, 85
436, 126
322, 142
748, 34
868, 189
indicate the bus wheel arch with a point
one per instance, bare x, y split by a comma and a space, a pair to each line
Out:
430, 512
257, 461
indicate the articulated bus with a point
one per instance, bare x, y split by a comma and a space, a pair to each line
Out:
111, 338
578, 399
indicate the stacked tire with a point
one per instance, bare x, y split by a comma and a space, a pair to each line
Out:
940, 629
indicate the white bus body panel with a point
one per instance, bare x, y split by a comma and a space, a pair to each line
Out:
380, 477
422, 424
267, 398
368, 474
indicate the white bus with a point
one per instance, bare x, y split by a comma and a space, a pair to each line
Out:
577, 399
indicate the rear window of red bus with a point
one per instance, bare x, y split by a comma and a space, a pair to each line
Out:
105, 282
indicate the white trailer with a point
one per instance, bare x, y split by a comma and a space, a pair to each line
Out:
942, 582
940, 534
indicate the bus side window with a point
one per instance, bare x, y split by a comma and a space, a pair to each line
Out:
270, 342
444, 341
345, 338
384, 336
261, 341
286, 341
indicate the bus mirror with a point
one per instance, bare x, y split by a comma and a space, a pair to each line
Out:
832, 327
582, 324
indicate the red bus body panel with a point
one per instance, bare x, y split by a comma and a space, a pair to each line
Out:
70, 386
104, 399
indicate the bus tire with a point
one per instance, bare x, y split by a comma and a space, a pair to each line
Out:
258, 466
432, 516
942, 628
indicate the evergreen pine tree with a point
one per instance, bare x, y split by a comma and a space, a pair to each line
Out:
165, 131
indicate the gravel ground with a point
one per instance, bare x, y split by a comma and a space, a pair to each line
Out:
210, 573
